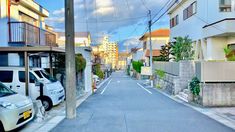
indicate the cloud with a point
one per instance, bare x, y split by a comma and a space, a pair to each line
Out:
58, 12
112, 17
132, 42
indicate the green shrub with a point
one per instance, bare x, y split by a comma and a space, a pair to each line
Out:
137, 66
161, 74
80, 63
97, 71
195, 86
230, 54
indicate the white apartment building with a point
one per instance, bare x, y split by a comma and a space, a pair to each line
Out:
209, 23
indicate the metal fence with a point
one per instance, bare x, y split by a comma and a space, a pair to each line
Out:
27, 34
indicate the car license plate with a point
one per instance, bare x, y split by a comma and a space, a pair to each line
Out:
26, 114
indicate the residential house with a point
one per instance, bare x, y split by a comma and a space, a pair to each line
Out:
136, 54
82, 39
122, 59
22, 26
159, 38
209, 23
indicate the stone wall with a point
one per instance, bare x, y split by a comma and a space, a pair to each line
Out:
218, 94
174, 84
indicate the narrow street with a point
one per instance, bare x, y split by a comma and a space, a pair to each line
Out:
121, 105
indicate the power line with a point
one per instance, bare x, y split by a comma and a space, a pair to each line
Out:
161, 9
164, 12
144, 4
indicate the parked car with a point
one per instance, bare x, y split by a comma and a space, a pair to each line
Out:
51, 94
15, 109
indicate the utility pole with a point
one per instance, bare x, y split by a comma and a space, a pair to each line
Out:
150, 47
70, 60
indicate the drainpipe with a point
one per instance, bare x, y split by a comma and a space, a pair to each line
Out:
9, 18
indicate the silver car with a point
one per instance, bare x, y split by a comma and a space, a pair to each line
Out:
15, 110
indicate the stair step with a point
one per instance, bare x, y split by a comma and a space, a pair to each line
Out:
187, 91
182, 98
184, 95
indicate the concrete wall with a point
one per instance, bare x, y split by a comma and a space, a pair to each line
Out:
218, 94
88, 69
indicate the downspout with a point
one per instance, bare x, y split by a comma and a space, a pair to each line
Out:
9, 18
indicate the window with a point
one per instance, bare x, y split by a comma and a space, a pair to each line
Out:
4, 59
190, 11
32, 78
174, 21
225, 6
6, 76
38, 73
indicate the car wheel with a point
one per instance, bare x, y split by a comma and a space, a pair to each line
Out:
1, 127
47, 103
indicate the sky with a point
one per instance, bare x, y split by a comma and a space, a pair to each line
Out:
124, 21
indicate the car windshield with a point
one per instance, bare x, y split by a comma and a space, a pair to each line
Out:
4, 91
48, 76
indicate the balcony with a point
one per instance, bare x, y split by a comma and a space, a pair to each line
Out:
22, 33
223, 27
34, 6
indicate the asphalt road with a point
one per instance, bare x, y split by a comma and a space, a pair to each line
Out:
121, 105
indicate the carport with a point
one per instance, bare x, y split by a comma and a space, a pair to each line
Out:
27, 51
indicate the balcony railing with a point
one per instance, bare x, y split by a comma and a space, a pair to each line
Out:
22, 33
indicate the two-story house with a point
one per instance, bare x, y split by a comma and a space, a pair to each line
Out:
209, 23
159, 38
82, 39
22, 24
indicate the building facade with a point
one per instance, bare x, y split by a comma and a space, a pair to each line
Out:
22, 24
209, 23
159, 38
82, 39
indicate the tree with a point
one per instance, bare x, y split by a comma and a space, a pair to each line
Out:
182, 49
164, 53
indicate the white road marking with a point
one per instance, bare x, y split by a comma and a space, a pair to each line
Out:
144, 88
106, 86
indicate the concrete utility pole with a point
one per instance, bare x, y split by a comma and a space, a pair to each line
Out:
150, 48
26, 65
70, 60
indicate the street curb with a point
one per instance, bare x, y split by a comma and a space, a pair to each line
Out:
52, 123
213, 115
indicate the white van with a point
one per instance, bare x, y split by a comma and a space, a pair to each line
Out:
51, 94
